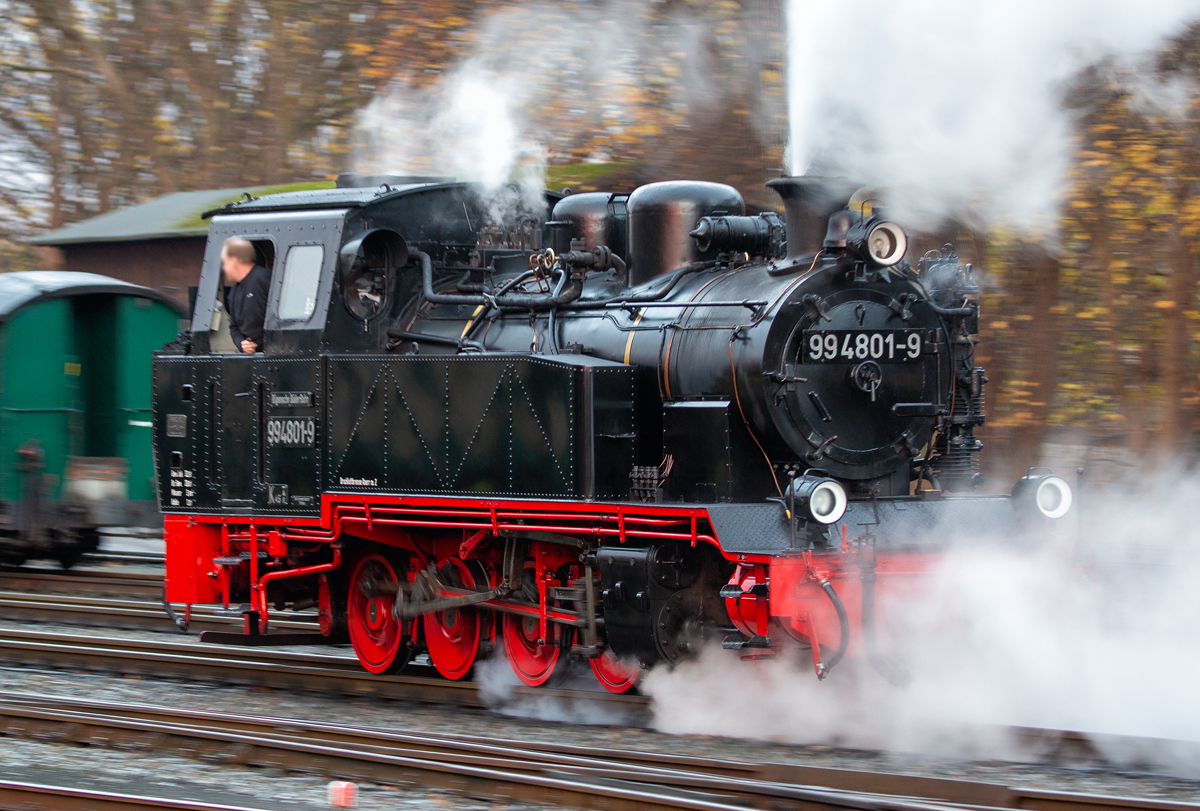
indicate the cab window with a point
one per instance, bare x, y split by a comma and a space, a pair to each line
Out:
301, 279
219, 338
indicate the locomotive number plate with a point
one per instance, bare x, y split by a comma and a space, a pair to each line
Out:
854, 345
291, 432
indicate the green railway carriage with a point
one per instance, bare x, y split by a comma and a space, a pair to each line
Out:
75, 424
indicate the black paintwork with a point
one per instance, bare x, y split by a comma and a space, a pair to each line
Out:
691, 353
708, 379
657, 599
515, 425
725, 467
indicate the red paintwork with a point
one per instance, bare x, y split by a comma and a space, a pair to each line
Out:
452, 530
191, 546
326, 620
452, 637
303, 571
370, 513
613, 674
376, 635
533, 660
797, 608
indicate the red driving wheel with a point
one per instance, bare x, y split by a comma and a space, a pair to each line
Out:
534, 664
615, 675
375, 633
452, 636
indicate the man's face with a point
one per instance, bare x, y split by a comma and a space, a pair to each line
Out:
234, 269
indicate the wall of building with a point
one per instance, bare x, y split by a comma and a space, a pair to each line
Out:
166, 265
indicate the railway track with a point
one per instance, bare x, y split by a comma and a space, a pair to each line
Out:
316, 671
281, 668
35, 796
97, 612
124, 558
306, 670
84, 582
554, 773
102, 598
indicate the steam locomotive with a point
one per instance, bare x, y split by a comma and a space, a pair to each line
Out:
601, 427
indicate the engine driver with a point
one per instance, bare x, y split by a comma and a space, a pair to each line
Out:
247, 300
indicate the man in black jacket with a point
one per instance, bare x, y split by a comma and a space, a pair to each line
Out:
247, 299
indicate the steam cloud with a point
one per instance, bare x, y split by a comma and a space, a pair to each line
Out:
547, 83
499, 685
953, 106
950, 106
466, 127
1097, 634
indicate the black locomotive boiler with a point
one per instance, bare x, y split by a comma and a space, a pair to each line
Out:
593, 426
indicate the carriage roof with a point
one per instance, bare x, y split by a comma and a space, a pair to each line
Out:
22, 288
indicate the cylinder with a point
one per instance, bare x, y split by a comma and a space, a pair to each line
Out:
757, 236
661, 219
598, 218
808, 203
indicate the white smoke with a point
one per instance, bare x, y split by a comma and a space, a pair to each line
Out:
1099, 634
565, 84
501, 691
465, 126
954, 106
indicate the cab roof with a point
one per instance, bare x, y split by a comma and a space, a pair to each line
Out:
324, 198
346, 197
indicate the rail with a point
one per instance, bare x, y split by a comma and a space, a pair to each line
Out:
31, 796
538, 771
287, 669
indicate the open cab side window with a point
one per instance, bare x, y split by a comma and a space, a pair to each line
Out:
211, 316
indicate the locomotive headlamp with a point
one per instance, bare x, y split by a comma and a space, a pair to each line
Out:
819, 499
886, 243
1046, 495
877, 240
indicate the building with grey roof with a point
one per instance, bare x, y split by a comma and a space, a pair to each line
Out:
157, 244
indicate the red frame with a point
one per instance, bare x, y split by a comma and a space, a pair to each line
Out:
795, 610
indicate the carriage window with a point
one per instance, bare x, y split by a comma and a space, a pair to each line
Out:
301, 278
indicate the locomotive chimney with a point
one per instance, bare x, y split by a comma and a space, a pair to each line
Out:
808, 202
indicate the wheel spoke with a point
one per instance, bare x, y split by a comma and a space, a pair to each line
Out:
615, 676
452, 636
534, 664
375, 633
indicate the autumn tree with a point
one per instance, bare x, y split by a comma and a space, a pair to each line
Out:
1100, 336
107, 103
